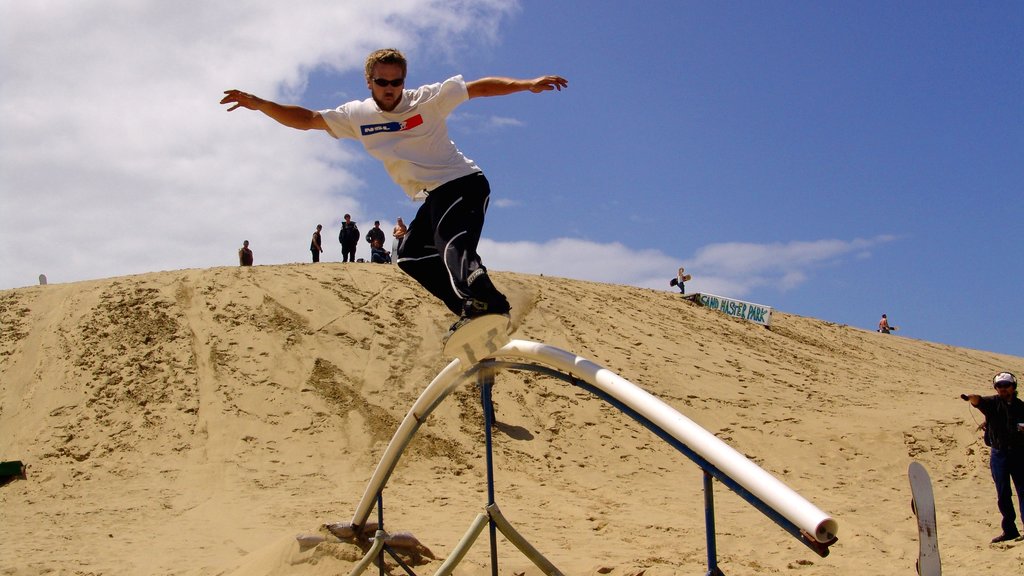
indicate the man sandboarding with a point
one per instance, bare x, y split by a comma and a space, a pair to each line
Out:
406, 130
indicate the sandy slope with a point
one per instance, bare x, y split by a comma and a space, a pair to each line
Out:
194, 422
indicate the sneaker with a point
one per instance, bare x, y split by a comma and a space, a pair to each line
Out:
1005, 537
485, 297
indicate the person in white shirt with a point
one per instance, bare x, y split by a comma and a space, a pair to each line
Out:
406, 130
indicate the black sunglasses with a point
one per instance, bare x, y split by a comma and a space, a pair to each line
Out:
1004, 384
393, 83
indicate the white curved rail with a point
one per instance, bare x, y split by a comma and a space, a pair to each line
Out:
738, 467
430, 398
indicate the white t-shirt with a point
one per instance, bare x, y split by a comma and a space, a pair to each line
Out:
412, 140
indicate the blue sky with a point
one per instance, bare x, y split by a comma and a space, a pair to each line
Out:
830, 159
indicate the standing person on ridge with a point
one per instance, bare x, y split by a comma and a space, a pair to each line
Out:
245, 254
349, 238
316, 244
406, 130
375, 234
397, 234
1004, 433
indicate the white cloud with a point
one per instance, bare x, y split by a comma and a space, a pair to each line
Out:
728, 269
115, 157
581, 259
782, 265
498, 122
504, 202
470, 122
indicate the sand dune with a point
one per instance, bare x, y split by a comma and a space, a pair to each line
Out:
195, 422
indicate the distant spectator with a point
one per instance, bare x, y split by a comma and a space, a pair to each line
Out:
883, 325
245, 254
679, 280
398, 233
316, 246
375, 234
378, 254
349, 238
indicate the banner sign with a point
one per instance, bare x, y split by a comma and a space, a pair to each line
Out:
737, 308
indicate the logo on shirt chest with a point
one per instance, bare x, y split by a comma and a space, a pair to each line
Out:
407, 124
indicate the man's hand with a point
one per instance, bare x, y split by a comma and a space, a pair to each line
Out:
292, 116
974, 399
241, 100
545, 83
500, 86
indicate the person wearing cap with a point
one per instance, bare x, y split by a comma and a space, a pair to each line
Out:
1004, 432
883, 324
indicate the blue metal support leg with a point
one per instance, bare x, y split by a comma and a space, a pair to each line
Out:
709, 523
486, 381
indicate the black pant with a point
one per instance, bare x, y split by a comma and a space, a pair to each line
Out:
348, 253
439, 250
316, 254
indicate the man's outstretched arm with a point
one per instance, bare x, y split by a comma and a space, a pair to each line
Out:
499, 86
292, 116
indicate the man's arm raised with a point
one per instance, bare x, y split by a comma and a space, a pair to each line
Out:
292, 116
499, 86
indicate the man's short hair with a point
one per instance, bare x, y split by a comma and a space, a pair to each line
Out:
384, 56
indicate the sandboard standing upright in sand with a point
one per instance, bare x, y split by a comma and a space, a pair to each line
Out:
923, 505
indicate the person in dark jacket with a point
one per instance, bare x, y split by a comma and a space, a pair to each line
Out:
349, 238
1004, 432
375, 234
